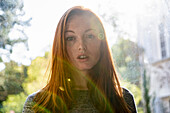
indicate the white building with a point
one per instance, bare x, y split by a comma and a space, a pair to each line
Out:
154, 36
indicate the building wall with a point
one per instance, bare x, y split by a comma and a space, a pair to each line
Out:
160, 86
151, 26
166, 104
153, 35
160, 78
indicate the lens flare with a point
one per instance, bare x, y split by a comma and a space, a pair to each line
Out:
61, 88
69, 79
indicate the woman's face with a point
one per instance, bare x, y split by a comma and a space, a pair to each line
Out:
82, 42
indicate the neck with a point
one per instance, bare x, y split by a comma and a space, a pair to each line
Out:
80, 81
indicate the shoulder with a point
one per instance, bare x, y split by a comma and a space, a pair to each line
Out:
128, 96
31, 97
29, 103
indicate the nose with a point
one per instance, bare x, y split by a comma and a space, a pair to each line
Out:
82, 46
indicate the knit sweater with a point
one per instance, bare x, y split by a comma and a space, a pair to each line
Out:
82, 102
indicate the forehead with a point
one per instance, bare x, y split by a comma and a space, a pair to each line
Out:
83, 20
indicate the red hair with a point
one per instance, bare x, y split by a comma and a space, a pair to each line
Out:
103, 84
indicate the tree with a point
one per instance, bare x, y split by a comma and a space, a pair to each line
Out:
34, 81
146, 97
11, 13
11, 78
11, 21
126, 56
36, 74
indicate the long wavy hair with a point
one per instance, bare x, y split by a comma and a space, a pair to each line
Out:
103, 83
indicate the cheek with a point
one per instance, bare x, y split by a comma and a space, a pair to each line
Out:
97, 54
69, 52
95, 46
95, 49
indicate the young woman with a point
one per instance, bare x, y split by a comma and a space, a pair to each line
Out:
83, 78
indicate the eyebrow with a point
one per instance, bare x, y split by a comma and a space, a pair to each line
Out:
69, 31
74, 32
89, 30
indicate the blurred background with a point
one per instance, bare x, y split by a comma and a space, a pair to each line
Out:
138, 33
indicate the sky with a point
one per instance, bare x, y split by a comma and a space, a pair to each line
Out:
46, 14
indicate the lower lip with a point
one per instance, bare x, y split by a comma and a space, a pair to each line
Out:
83, 60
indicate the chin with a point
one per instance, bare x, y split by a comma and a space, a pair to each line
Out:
85, 68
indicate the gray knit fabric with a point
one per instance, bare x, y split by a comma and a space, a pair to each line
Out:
29, 104
82, 103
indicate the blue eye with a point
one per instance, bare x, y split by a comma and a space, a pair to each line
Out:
70, 38
90, 36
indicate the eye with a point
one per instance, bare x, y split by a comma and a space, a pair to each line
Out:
70, 38
91, 36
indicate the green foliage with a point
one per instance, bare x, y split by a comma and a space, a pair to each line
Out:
14, 103
126, 55
140, 110
35, 80
36, 75
146, 96
12, 78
